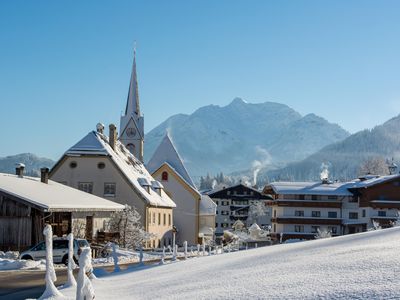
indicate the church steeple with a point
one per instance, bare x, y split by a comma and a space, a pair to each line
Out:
132, 103
132, 123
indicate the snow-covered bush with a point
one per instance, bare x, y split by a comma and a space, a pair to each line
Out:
323, 234
127, 223
257, 210
396, 223
375, 226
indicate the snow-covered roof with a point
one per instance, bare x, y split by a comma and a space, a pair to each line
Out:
311, 188
166, 153
207, 206
53, 196
133, 169
370, 180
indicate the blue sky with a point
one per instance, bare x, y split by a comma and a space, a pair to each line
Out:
65, 65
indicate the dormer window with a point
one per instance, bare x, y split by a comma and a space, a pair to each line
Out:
164, 176
157, 186
144, 183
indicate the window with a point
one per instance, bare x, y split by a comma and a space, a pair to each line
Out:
109, 189
86, 187
274, 213
73, 165
60, 244
216, 225
314, 197
228, 192
333, 229
301, 197
316, 214
217, 203
314, 229
332, 214
299, 213
169, 219
353, 215
225, 213
332, 197
298, 228
154, 218
353, 199
224, 225
101, 165
131, 148
363, 213
159, 218
164, 176
382, 213
274, 227
165, 219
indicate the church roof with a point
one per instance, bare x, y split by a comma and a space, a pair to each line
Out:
166, 153
95, 143
132, 103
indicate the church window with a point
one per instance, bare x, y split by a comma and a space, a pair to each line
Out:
131, 148
164, 176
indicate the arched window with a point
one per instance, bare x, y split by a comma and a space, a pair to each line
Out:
164, 176
131, 148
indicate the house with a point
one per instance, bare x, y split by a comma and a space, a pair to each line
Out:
300, 209
103, 166
194, 215
28, 203
234, 202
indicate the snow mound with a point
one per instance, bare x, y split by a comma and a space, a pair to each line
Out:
20, 264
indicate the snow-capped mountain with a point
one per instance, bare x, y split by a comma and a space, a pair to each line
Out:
230, 138
344, 158
32, 163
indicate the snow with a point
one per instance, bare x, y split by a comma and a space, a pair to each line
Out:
358, 266
18, 264
53, 196
207, 206
312, 188
133, 169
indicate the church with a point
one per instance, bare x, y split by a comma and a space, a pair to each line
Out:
112, 167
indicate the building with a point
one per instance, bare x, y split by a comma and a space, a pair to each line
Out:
300, 209
103, 166
132, 122
28, 203
194, 215
234, 202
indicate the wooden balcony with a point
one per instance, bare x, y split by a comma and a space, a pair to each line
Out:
306, 203
309, 221
384, 204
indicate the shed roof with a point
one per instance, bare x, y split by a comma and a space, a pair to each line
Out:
53, 196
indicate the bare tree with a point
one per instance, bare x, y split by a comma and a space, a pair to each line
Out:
374, 165
127, 223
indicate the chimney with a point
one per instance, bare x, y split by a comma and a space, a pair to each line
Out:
100, 128
44, 175
19, 170
113, 136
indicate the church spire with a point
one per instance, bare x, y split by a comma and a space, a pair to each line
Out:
132, 103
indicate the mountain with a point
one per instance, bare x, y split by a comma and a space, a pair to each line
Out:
344, 158
32, 163
233, 137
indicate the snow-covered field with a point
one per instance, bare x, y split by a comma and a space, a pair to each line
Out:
360, 266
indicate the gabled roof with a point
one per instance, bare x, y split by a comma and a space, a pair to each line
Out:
166, 153
97, 143
371, 180
53, 196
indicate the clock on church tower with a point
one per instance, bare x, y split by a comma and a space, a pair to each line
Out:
130, 132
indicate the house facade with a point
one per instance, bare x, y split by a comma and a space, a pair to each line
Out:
234, 202
28, 203
194, 215
300, 209
103, 166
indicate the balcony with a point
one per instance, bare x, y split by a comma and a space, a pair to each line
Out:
307, 220
385, 204
306, 203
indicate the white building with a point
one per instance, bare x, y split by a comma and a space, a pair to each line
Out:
194, 215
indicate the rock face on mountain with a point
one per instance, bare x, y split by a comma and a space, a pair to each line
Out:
344, 158
32, 163
230, 138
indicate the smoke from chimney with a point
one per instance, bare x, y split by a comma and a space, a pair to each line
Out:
324, 175
258, 165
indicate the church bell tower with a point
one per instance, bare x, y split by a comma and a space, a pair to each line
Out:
132, 122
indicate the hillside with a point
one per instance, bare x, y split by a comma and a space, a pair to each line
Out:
230, 138
358, 266
345, 157
32, 162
